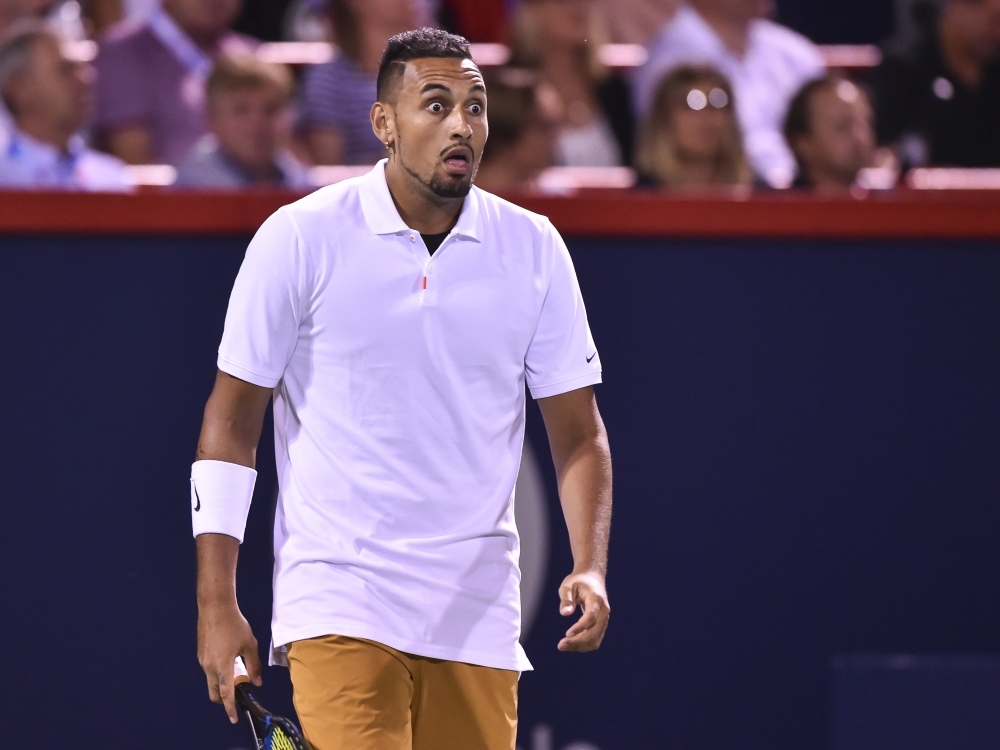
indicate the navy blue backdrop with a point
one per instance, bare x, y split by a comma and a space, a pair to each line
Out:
805, 438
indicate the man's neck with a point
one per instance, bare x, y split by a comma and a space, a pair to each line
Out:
418, 207
956, 55
828, 183
45, 131
734, 31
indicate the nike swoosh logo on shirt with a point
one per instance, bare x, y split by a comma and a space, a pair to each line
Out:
591, 357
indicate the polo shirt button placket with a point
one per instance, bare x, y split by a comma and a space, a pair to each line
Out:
428, 291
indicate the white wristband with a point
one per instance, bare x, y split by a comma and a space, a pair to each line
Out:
220, 497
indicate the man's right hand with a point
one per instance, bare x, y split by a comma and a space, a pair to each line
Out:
224, 634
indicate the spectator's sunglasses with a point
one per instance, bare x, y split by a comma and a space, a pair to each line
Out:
697, 100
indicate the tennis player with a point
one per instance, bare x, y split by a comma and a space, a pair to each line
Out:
395, 320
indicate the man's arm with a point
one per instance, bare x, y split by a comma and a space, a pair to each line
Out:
234, 416
582, 458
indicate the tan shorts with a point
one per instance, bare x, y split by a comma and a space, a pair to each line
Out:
361, 695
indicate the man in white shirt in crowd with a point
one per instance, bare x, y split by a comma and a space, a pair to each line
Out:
766, 63
49, 98
395, 320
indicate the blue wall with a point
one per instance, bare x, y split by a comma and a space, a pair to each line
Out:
805, 439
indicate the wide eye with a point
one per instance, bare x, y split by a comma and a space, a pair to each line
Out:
437, 108
476, 109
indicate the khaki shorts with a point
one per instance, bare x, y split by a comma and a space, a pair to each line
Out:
353, 694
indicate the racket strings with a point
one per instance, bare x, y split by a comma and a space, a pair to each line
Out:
278, 739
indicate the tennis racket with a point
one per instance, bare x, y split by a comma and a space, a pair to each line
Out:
270, 732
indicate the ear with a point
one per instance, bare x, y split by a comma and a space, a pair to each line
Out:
384, 124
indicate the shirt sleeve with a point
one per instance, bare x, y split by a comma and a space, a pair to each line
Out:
561, 356
262, 322
123, 90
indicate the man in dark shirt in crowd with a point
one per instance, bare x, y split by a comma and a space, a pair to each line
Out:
829, 129
937, 95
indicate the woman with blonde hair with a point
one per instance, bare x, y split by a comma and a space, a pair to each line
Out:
691, 139
561, 40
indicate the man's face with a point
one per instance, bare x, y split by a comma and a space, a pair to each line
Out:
842, 141
54, 88
204, 17
978, 23
441, 127
249, 125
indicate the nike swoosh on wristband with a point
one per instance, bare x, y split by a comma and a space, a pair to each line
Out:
589, 359
198, 498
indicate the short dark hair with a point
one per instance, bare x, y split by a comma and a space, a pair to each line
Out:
416, 45
798, 121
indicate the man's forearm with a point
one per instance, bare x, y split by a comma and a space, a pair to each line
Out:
217, 556
585, 495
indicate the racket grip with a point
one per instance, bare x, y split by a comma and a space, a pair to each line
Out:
240, 675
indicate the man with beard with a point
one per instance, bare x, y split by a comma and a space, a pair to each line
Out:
395, 319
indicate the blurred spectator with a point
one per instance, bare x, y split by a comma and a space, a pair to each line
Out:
937, 96
337, 96
831, 130
524, 123
766, 64
636, 21
151, 78
561, 39
691, 139
12, 11
49, 99
248, 110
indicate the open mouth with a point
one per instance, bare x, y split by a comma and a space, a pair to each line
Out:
458, 161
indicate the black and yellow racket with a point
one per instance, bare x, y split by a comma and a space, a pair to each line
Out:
270, 732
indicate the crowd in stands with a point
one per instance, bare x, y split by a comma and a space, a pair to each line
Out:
727, 98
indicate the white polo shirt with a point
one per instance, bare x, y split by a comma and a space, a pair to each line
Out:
399, 411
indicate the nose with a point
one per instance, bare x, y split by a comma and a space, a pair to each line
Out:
460, 125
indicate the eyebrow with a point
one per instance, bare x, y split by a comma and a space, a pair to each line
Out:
434, 87
478, 88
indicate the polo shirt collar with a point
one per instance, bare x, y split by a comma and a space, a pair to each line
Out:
383, 218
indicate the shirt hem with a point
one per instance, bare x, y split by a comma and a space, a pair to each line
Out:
281, 640
565, 386
255, 378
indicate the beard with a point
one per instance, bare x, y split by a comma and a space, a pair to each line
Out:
446, 186
441, 184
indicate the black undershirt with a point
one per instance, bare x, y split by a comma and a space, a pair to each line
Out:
433, 241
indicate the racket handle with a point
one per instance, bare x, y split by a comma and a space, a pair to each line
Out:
240, 675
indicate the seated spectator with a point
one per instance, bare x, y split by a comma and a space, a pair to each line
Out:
561, 40
937, 95
830, 129
49, 99
524, 124
766, 64
337, 96
248, 104
12, 11
151, 78
691, 139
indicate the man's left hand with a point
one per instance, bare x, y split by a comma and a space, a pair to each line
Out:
587, 591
